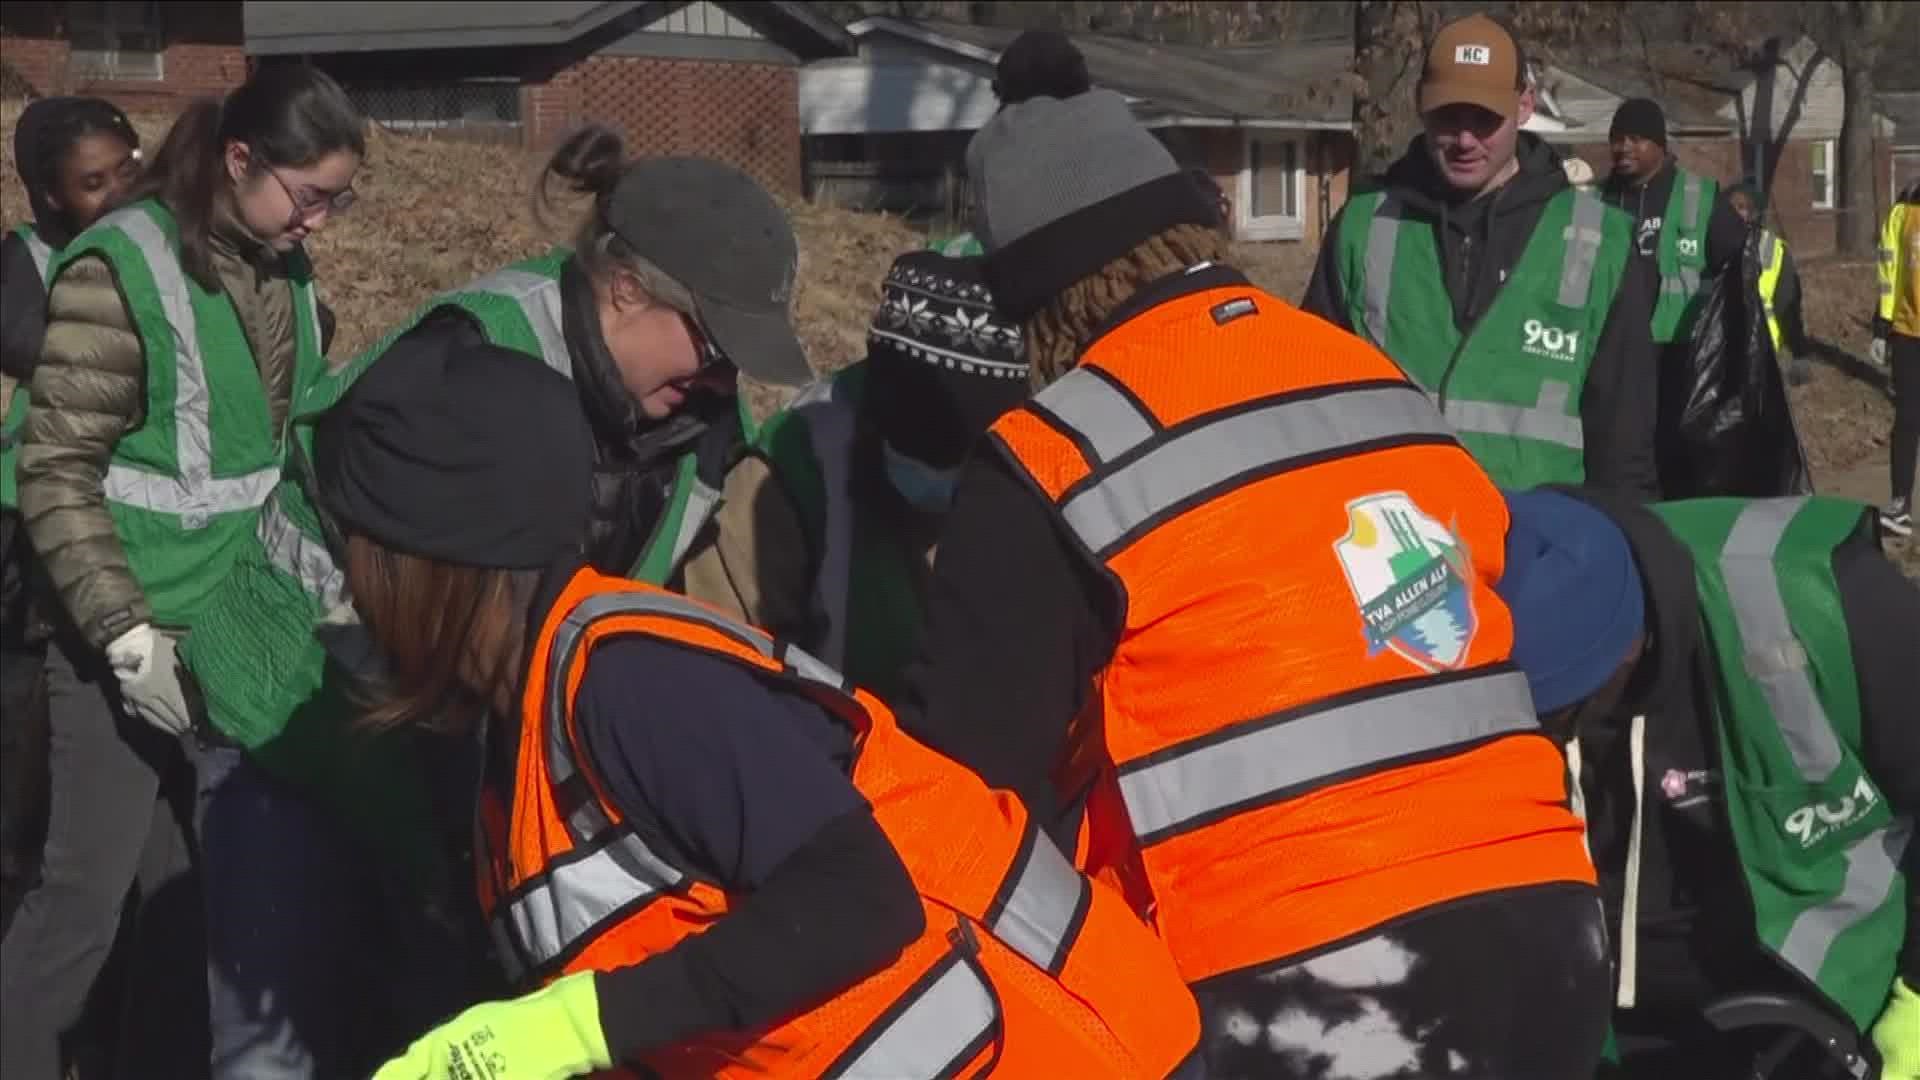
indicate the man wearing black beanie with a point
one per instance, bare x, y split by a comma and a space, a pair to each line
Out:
1683, 220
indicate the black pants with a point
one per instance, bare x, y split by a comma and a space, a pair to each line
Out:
1903, 354
112, 827
1512, 986
23, 723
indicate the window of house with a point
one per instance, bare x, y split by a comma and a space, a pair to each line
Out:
116, 40
480, 105
1272, 188
1823, 174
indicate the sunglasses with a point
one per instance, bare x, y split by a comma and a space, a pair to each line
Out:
333, 202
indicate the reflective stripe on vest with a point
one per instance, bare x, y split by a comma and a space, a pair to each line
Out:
1295, 430
1685, 281
196, 492
1276, 757
302, 557
831, 423
1037, 910
1546, 421
39, 250
1776, 662
539, 300
945, 1020
1576, 267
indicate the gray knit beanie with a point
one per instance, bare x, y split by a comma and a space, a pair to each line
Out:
1063, 187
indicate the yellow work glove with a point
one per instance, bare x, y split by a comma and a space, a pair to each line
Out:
551, 1034
1897, 1034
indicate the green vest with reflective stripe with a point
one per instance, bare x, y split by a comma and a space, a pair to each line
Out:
1511, 385
957, 246
1682, 255
866, 615
185, 487
1773, 256
14, 423
1818, 844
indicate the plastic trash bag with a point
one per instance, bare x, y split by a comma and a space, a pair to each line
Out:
1730, 428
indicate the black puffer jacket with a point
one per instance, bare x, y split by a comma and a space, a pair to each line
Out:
637, 458
1481, 241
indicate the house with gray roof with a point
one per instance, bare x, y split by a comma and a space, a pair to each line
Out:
888, 126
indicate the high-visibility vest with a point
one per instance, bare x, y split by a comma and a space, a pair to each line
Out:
1773, 256
1820, 848
15, 419
255, 648
1682, 255
1310, 716
185, 487
1025, 968
865, 615
1900, 270
1511, 386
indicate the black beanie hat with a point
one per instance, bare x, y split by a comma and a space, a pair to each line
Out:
475, 455
1040, 63
1641, 117
941, 363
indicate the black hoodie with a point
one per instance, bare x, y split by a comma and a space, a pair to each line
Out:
1696, 930
1481, 241
1726, 230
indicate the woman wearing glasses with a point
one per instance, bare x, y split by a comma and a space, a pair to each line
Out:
178, 327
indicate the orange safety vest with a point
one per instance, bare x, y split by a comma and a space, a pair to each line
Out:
1308, 727
1025, 967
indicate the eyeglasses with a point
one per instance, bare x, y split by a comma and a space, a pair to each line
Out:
710, 355
334, 202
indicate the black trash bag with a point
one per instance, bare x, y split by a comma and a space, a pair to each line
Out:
1728, 425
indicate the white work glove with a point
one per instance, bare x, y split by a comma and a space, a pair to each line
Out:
1877, 352
143, 660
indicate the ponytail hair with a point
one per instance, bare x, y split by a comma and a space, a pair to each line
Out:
288, 115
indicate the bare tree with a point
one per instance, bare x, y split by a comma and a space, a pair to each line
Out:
1389, 37
1855, 33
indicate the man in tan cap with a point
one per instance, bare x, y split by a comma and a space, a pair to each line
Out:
1509, 295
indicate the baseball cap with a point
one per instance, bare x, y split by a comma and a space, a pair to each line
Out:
1473, 61
719, 235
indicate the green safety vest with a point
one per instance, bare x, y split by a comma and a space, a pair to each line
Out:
13, 425
1511, 385
1818, 844
1682, 255
1773, 256
866, 617
959, 245
185, 487
261, 630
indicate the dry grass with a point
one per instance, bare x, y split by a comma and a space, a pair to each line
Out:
436, 213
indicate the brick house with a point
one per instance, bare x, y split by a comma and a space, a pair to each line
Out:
710, 78
1774, 122
1902, 107
143, 55
1271, 124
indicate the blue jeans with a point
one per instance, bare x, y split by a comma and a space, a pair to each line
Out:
281, 895
317, 966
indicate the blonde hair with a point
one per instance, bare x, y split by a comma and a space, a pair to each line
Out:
1057, 332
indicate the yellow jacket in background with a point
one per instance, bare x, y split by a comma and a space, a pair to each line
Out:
1900, 272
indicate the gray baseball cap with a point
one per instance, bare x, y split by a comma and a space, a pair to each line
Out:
719, 235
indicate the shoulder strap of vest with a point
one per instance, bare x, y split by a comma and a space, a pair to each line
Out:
38, 250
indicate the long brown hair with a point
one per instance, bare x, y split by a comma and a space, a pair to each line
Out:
1056, 333
288, 115
452, 635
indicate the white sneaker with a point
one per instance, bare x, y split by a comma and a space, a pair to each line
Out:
1897, 517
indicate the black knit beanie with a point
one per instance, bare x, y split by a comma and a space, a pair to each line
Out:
477, 455
941, 364
1640, 117
1040, 63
